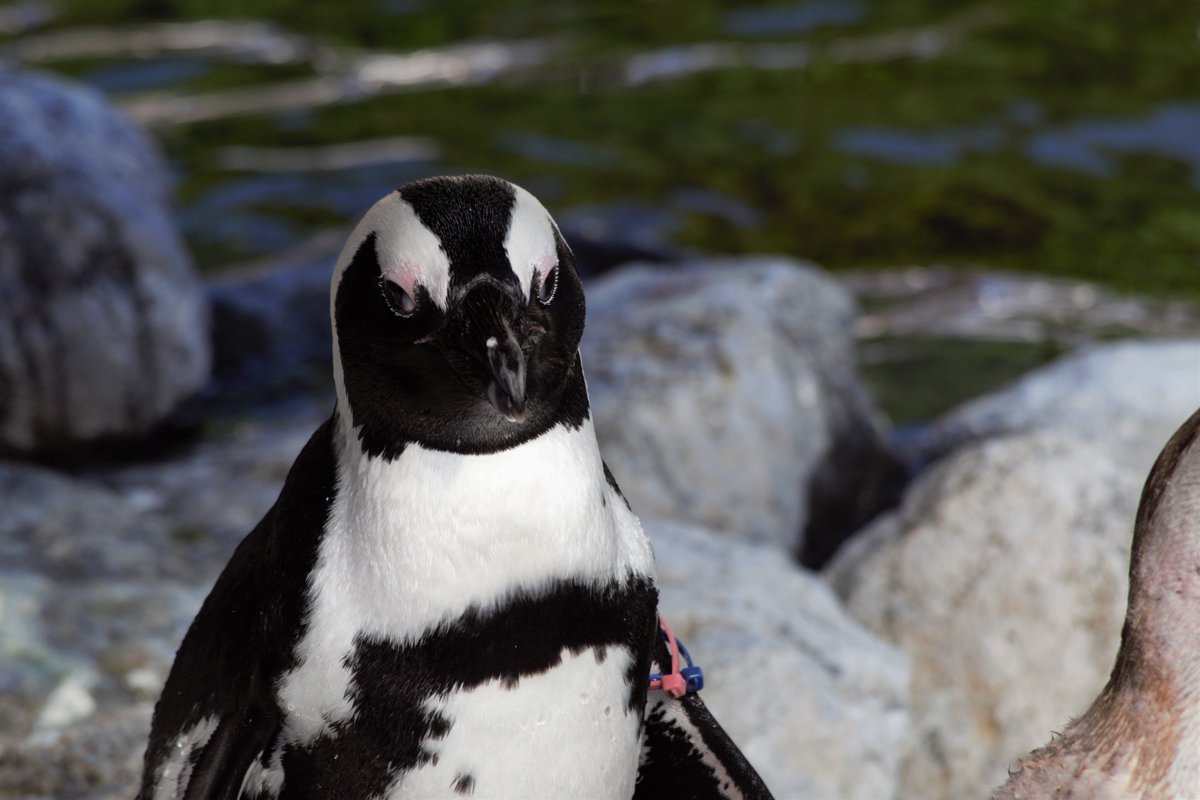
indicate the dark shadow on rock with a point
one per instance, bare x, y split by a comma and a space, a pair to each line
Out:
859, 482
170, 435
271, 337
860, 478
597, 253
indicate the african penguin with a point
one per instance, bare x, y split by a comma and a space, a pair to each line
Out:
450, 596
1141, 737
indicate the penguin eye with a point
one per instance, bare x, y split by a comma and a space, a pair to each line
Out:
548, 286
399, 301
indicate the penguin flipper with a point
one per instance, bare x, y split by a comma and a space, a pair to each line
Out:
686, 754
221, 766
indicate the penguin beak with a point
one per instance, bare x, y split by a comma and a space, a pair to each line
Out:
491, 310
506, 392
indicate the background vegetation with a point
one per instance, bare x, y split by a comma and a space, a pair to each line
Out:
1060, 138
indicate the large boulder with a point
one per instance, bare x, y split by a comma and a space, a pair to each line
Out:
1003, 575
103, 326
818, 704
1128, 397
724, 393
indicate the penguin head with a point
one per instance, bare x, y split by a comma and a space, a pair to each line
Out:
457, 314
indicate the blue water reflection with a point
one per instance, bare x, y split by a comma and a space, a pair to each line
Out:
1172, 131
554, 150
258, 214
1092, 146
139, 75
907, 147
793, 19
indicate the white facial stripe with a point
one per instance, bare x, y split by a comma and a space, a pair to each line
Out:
530, 241
408, 252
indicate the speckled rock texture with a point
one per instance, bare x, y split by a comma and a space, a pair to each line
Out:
103, 326
816, 702
724, 393
1003, 575
100, 576
92, 605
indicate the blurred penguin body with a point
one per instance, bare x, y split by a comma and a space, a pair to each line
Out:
1141, 737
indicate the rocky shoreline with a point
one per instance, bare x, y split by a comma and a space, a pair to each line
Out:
103, 569
977, 582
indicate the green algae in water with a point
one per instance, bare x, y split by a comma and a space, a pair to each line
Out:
915, 379
776, 140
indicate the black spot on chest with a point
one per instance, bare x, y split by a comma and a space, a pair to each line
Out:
464, 784
526, 636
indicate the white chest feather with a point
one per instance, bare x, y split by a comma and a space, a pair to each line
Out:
564, 733
415, 542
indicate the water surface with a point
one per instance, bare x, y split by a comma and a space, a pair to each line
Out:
1059, 138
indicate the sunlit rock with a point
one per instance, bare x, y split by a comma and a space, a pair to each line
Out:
724, 393
816, 702
1003, 576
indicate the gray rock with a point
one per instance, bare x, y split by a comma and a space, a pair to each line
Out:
79, 650
219, 489
85, 594
1003, 575
99, 579
271, 331
1128, 397
724, 393
97, 759
103, 326
67, 530
100, 575
818, 704
967, 304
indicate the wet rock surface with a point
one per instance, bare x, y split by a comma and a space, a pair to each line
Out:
94, 596
99, 758
103, 326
